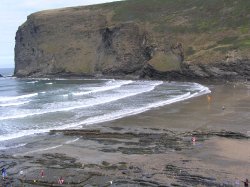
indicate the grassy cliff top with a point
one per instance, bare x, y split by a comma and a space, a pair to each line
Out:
186, 15
210, 30
176, 15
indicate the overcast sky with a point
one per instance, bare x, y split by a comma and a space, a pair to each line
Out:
14, 12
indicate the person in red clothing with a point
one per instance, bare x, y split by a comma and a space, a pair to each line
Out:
42, 173
60, 180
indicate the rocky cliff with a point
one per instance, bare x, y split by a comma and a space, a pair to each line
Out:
195, 39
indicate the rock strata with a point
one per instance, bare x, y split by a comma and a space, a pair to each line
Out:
147, 145
222, 71
150, 41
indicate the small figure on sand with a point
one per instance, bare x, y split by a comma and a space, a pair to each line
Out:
209, 99
4, 173
223, 108
21, 172
237, 182
60, 180
246, 182
193, 139
42, 173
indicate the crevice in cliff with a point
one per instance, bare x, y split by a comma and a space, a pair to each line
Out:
148, 52
107, 37
177, 49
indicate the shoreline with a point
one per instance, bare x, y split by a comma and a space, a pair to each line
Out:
217, 81
151, 149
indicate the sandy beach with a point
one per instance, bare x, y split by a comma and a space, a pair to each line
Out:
154, 148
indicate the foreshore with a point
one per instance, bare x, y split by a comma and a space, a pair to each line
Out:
196, 142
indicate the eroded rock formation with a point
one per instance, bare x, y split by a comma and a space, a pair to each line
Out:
101, 40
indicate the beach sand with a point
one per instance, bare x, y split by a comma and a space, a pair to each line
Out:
149, 149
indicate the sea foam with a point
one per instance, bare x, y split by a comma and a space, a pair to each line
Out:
90, 103
123, 90
3, 99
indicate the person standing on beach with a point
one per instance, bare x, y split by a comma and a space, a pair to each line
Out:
42, 173
237, 182
209, 99
60, 180
4, 173
246, 183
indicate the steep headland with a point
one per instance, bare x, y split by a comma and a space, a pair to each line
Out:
143, 38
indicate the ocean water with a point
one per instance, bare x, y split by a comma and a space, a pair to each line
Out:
7, 71
36, 106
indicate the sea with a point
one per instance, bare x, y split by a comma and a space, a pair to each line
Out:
31, 107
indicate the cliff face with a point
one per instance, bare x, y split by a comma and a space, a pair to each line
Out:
146, 38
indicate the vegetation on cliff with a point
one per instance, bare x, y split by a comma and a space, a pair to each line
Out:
206, 28
137, 37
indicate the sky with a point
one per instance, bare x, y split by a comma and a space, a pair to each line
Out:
13, 13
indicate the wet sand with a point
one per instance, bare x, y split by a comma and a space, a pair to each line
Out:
198, 113
150, 149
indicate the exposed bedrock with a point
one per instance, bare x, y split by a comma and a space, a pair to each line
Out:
115, 40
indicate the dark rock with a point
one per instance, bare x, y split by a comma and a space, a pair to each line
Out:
221, 71
1, 75
86, 41
147, 175
131, 167
105, 163
125, 172
186, 178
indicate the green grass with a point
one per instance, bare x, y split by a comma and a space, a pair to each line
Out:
203, 15
244, 29
225, 49
245, 43
232, 43
190, 51
228, 40
203, 27
165, 62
